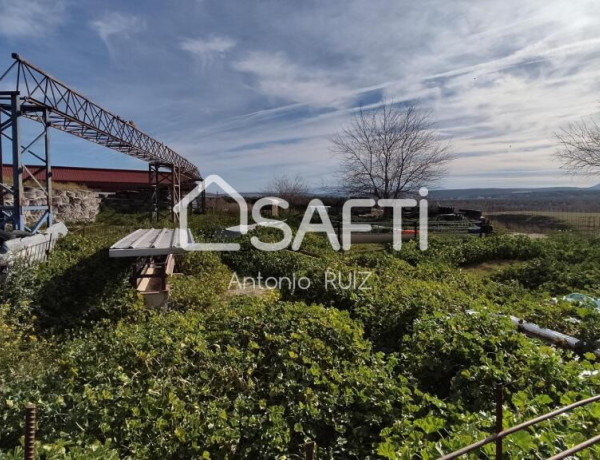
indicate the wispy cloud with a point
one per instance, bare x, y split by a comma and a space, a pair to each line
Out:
278, 77
115, 26
34, 18
207, 49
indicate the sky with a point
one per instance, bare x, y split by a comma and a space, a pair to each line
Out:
250, 90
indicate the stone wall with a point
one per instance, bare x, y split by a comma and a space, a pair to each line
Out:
84, 205
68, 205
133, 201
76, 205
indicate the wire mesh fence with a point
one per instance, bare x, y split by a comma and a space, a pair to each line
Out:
541, 213
545, 221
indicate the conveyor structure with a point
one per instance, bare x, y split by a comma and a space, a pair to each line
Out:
40, 97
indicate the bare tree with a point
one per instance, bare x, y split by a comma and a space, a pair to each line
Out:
292, 189
580, 147
389, 151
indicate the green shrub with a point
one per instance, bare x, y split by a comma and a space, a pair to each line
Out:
566, 264
203, 281
469, 251
461, 357
18, 290
80, 283
256, 380
66, 451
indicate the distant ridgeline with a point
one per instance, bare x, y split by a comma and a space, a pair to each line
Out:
518, 199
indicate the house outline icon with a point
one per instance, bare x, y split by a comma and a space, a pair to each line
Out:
182, 209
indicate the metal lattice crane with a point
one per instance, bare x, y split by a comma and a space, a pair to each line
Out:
42, 98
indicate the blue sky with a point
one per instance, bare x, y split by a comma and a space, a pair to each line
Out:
252, 89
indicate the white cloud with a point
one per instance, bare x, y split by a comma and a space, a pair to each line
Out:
207, 49
117, 25
278, 77
34, 18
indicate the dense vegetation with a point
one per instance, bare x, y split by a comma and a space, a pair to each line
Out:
403, 369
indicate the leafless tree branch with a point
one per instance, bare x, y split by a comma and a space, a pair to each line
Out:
389, 151
292, 189
579, 148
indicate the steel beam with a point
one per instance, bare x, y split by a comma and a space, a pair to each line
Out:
72, 112
44, 99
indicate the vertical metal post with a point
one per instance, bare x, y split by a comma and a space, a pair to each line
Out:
50, 217
17, 217
151, 189
309, 450
1, 165
173, 198
499, 422
175, 191
153, 176
30, 431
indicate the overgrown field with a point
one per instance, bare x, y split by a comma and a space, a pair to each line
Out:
403, 369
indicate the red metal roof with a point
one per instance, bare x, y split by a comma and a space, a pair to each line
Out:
103, 179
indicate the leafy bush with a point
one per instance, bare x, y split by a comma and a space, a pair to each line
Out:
66, 451
256, 380
469, 251
203, 281
566, 264
461, 357
18, 289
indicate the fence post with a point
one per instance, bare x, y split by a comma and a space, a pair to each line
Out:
309, 449
30, 431
499, 422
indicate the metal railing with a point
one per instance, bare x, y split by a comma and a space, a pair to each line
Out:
501, 433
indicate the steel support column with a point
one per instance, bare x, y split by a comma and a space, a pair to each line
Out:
50, 216
175, 191
18, 218
1, 169
15, 214
165, 179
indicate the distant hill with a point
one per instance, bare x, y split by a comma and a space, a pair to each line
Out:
565, 199
582, 199
511, 193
